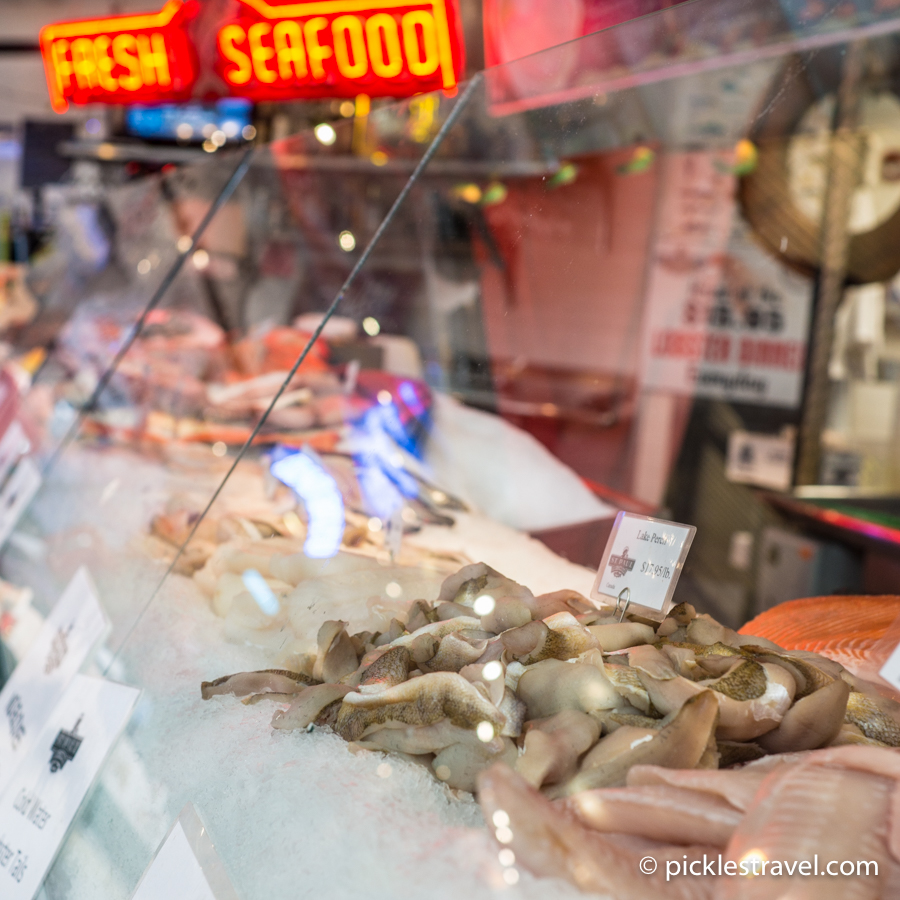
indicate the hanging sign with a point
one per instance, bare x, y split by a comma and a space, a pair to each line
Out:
341, 48
120, 59
642, 562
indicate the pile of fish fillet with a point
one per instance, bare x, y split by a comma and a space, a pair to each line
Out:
592, 743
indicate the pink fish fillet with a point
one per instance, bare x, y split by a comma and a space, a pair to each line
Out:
672, 815
806, 811
550, 842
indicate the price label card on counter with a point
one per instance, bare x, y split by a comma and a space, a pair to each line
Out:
21, 486
41, 801
890, 671
64, 643
642, 561
186, 865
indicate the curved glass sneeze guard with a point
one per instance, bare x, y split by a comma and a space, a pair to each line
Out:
493, 264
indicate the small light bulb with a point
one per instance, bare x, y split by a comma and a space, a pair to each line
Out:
218, 137
248, 132
500, 818
347, 241
392, 589
184, 131
325, 134
184, 243
200, 259
371, 326
219, 448
143, 267
375, 524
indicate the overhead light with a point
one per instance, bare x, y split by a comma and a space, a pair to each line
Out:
325, 134
347, 241
184, 131
248, 132
200, 259
209, 146
219, 138
231, 128
371, 326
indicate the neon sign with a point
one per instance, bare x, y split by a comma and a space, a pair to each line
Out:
270, 51
337, 48
120, 59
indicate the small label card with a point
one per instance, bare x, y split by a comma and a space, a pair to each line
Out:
644, 555
40, 802
13, 445
890, 671
21, 486
186, 865
63, 645
765, 460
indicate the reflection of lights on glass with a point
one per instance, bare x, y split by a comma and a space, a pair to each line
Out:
384, 397
484, 605
219, 448
231, 128
392, 589
92, 126
443, 772
143, 267
209, 146
200, 259
184, 131
218, 137
500, 818
750, 863
371, 326
261, 592
492, 670
506, 857
347, 109
511, 876
384, 771
325, 134
208, 129
379, 158
375, 524
248, 132
504, 834
184, 243
485, 732
318, 490
468, 193
347, 241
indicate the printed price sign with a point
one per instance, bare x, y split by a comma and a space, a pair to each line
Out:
64, 643
186, 865
645, 556
40, 802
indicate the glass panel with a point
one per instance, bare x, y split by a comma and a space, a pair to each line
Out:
571, 298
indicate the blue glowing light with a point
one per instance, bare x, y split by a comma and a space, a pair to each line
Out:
310, 480
261, 592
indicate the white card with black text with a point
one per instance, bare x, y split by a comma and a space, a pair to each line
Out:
63, 645
40, 802
642, 561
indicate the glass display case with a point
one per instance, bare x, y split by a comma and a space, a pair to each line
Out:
285, 393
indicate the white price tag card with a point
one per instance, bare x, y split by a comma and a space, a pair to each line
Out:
644, 555
890, 671
13, 445
63, 645
39, 804
186, 865
22, 485
761, 459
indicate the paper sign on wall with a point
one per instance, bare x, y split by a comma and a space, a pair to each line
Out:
40, 802
65, 642
643, 561
186, 865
